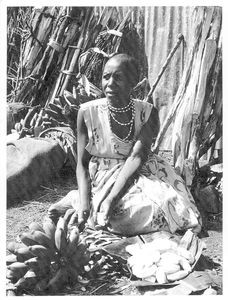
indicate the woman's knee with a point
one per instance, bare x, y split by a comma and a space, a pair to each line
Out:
60, 207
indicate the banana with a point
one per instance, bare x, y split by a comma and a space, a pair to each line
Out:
161, 245
194, 246
42, 239
142, 271
132, 260
73, 240
62, 224
37, 263
58, 280
178, 275
17, 265
169, 258
30, 274
60, 240
27, 239
23, 254
18, 269
151, 279
35, 226
186, 254
68, 214
73, 220
185, 264
11, 258
41, 251
10, 274
169, 268
186, 240
12, 246
161, 276
26, 283
14, 275
49, 228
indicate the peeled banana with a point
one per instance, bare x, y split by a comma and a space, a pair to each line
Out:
164, 259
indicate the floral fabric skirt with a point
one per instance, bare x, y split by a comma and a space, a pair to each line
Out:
157, 200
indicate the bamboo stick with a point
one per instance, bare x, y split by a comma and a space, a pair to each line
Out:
42, 28
77, 50
180, 38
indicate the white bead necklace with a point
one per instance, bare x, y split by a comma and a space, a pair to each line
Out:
121, 109
123, 124
131, 107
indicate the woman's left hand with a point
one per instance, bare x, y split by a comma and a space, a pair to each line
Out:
101, 216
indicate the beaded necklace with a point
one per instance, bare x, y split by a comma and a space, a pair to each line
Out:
121, 109
113, 109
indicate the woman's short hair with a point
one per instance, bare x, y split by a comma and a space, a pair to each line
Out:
130, 67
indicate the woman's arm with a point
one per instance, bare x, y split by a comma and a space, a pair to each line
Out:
82, 168
135, 160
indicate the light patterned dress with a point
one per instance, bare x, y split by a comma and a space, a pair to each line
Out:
157, 200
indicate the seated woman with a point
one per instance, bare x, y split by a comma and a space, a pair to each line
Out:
121, 184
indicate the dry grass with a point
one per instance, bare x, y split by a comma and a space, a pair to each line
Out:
20, 215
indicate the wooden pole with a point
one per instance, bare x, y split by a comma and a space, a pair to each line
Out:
180, 38
77, 50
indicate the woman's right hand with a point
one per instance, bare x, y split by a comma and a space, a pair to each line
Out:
83, 215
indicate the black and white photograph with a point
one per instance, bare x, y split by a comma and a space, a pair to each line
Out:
113, 133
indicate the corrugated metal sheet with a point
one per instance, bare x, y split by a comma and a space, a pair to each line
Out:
162, 27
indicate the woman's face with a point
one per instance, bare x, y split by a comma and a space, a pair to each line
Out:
115, 83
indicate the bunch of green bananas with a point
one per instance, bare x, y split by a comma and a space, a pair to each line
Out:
62, 111
49, 257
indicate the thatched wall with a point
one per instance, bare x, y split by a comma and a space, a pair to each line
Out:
55, 37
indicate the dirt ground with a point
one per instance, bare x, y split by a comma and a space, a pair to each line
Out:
19, 216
